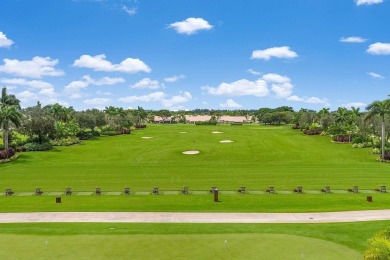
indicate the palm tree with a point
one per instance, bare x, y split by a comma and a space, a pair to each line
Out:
322, 113
9, 115
381, 109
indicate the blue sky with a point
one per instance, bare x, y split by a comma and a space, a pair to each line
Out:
187, 54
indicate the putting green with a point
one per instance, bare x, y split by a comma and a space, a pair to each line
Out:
168, 246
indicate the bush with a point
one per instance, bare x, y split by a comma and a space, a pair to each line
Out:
4, 155
341, 139
376, 151
123, 131
362, 145
38, 147
296, 127
312, 131
66, 141
18, 139
357, 139
87, 134
206, 123
140, 126
109, 132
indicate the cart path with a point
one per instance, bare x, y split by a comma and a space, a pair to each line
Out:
181, 217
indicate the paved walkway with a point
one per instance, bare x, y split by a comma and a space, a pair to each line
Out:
179, 217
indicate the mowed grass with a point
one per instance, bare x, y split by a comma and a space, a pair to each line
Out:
186, 241
259, 157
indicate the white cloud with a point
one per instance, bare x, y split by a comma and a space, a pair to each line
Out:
353, 39
276, 78
73, 89
46, 90
99, 63
191, 26
280, 85
103, 93
379, 48
283, 52
27, 97
130, 11
174, 78
253, 72
35, 68
368, 2
159, 97
155, 96
174, 100
242, 87
97, 101
147, 83
375, 75
230, 103
4, 41
37, 84
310, 100
354, 104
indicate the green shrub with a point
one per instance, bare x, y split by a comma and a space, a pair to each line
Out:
38, 147
65, 141
109, 132
376, 151
378, 246
87, 134
357, 139
206, 123
362, 145
18, 139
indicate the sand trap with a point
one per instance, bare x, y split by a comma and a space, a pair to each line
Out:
147, 137
191, 152
226, 141
216, 132
183, 132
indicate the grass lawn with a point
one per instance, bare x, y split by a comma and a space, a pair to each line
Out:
259, 157
184, 241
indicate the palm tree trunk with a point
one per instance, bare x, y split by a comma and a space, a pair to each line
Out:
383, 139
4, 130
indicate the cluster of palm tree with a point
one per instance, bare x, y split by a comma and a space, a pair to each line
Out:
343, 125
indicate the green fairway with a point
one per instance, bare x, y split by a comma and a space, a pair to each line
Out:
243, 246
258, 157
186, 241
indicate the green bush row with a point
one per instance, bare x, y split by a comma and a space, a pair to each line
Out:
38, 147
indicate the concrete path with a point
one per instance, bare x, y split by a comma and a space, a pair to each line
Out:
179, 217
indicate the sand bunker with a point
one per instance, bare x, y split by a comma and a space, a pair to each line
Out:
191, 152
216, 132
147, 137
226, 141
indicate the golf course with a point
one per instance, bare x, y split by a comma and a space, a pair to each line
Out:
251, 156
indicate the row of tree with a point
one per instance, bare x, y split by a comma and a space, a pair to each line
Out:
57, 122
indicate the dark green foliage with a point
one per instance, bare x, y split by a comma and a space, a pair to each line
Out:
38, 146
206, 123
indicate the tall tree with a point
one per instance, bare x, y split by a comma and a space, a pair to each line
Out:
39, 123
10, 114
381, 109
